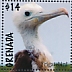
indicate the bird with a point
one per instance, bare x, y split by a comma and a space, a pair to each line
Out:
27, 21
22, 62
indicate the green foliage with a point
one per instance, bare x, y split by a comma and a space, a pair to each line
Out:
58, 68
62, 68
5, 69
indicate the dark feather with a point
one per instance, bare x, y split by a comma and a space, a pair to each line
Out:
22, 62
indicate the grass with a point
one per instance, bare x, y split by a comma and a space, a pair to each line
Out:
5, 69
63, 68
58, 68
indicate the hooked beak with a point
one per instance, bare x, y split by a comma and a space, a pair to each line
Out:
44, 17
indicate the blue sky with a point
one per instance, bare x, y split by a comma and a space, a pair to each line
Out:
55, 33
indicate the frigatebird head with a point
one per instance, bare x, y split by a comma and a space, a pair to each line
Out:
31, 15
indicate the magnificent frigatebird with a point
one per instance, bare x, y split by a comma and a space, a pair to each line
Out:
27, 20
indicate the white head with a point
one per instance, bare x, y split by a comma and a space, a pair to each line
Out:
30, 16
24, 18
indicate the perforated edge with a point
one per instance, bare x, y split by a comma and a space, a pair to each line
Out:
71, 39
2, 28
37, 0
2, 32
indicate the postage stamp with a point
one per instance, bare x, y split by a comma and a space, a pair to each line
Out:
36, 36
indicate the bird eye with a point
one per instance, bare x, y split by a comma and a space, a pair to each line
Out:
40, 12
27, 13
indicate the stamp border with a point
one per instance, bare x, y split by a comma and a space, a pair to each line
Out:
2, 32
39, 1
71, 39
49, 1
